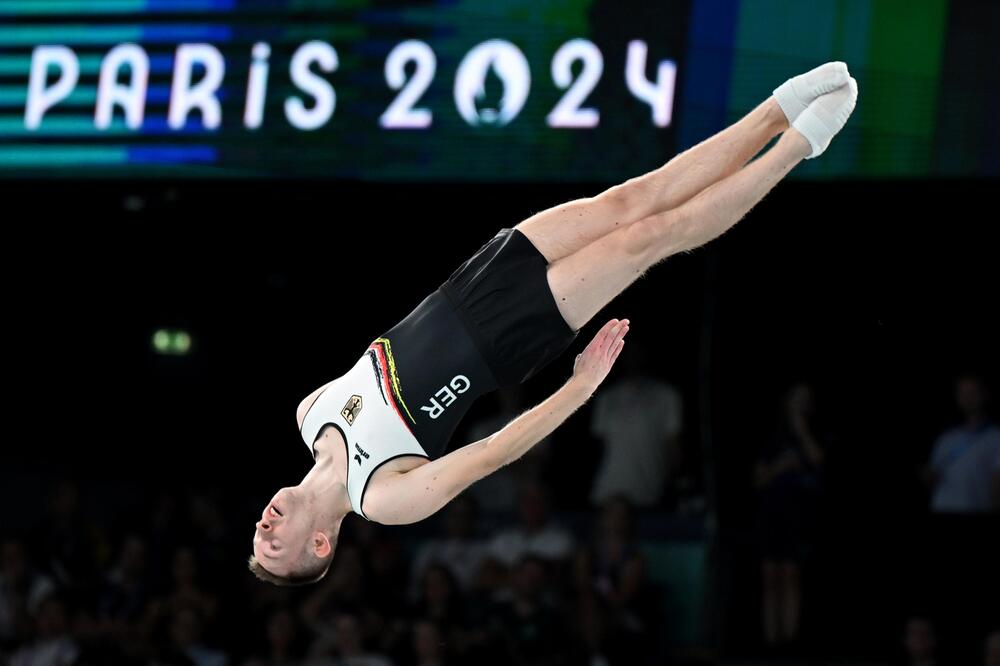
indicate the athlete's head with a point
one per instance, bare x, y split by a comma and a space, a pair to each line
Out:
293, 543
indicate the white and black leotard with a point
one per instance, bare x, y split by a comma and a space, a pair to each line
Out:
493, 323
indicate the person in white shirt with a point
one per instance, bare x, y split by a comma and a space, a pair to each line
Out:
639, 420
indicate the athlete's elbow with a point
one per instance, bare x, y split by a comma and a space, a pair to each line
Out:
493, 454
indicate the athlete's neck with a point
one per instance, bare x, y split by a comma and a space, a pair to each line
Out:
326, 484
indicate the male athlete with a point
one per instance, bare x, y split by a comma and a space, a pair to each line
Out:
378, 434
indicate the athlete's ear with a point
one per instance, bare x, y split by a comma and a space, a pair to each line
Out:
321, 545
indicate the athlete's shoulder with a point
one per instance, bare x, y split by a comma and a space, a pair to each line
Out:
308, 402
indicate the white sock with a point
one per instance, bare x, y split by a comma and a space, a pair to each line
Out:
826, 116
795, 94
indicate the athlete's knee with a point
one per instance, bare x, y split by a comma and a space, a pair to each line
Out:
646, 237
641, 237
622, 202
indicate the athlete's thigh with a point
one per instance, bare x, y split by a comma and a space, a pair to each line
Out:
564, 229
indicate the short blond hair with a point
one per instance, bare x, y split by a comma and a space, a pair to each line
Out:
309, 574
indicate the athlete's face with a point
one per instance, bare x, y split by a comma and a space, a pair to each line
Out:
281, 532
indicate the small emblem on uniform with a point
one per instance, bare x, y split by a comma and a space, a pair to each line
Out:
351, 409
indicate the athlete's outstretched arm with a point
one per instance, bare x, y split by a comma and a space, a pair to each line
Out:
422, 491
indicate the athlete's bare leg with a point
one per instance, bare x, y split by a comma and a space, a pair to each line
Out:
585, 281
562, 230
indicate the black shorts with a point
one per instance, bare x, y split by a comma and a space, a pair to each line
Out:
503, 296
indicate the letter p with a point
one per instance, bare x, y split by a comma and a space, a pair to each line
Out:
41, 97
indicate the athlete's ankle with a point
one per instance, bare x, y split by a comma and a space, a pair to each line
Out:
775, 117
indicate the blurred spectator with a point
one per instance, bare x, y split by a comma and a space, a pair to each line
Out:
21, 591
638, 417
70, 540
530, 624
341, 590
386, 571
534, 534
441, 601
788, 477
345, 646
428, 646
170, 525
991, 649
53, 645
489, 589
617, 610
964, 469
186, 589
186, 646
497, 492
459, 549
121, 610
920, 642
283, 642
209, 527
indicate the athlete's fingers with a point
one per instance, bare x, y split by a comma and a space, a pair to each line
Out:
619, 335
619, 332
607, 329
603, 336
614, 343
602, 333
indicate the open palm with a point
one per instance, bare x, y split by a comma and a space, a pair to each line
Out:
594, 363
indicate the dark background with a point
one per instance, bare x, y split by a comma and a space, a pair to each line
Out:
879, 292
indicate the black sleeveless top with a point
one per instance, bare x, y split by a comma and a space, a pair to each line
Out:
439, 369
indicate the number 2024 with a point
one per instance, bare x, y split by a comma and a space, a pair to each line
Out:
511, 66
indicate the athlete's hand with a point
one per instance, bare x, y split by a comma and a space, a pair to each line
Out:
594, 364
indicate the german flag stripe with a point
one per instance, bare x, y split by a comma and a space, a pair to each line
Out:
385, 379
384, 350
